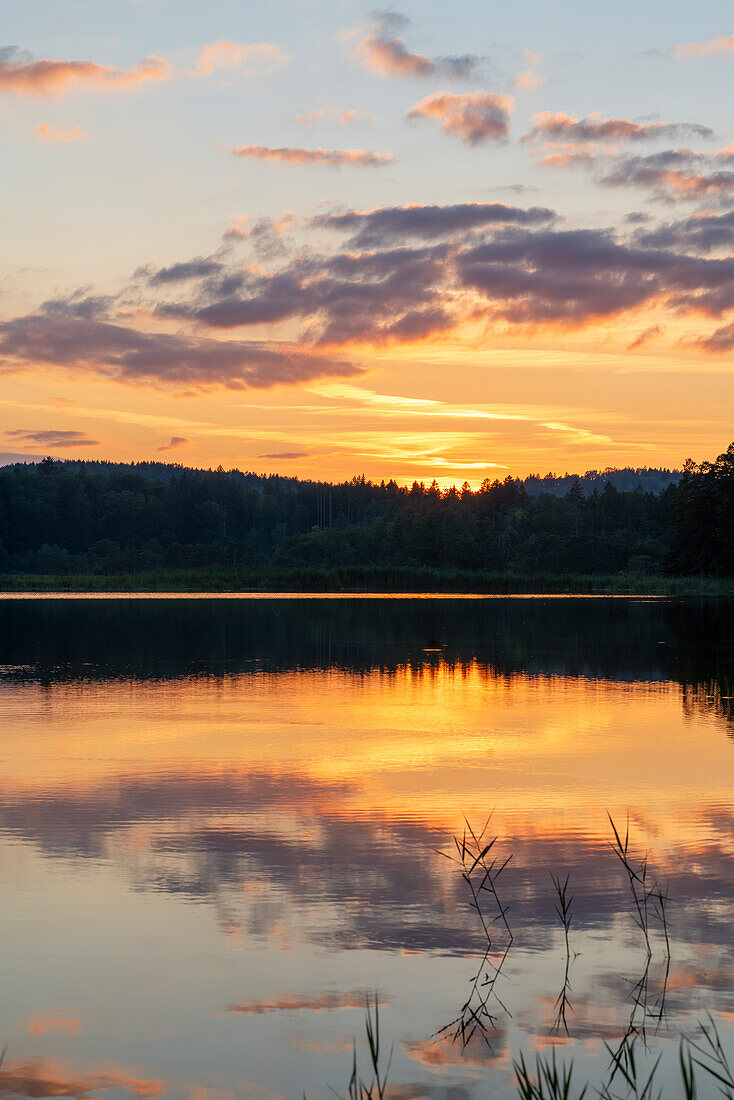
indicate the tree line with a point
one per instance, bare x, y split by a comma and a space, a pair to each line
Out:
97, 518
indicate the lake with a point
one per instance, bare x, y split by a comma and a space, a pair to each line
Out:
224, 822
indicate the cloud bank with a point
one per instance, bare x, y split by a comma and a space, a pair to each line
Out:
388, 276
129, 355
390, 224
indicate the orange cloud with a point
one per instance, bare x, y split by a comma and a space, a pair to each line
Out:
49, 1022
252, 59
721, 44
334, 114
678, 182
45, 1079
294, 1002
438, 1053
473, 117
527, 79
383, 53
330, 158
45, 133
389, 57
20, 74
569, 159
594, 128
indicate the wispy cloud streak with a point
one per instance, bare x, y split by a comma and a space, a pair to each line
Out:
723, 43
46, 133
328, 158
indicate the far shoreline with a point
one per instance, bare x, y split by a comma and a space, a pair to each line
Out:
349, 581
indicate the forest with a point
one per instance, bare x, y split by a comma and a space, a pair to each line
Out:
99, 518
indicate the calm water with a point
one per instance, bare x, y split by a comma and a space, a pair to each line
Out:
219, 821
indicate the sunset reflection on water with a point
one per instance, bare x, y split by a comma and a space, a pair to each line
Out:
220, 823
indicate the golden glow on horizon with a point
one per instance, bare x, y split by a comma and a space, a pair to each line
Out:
573, 420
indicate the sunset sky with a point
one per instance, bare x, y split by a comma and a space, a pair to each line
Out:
314, 238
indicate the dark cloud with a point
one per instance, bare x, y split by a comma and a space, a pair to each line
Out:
705, 232
198, 268
389, 20
285, 454
418, 324
404, 274
265, 238
383, 53
718, 342
388, 224
174, 441
474, 117
53, 437
346, 296
645, 336
132, 356
525, 270
80, 303
563, 127
576, 276
673, 174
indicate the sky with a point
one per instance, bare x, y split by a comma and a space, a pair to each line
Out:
316, 238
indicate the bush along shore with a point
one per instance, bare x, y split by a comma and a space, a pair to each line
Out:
363, 579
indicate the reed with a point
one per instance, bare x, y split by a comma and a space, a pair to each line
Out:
357, 1087
630, 1074
707, 1052
549, 1079
648, 896
550, 1082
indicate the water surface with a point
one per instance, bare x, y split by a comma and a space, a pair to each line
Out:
221, 819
